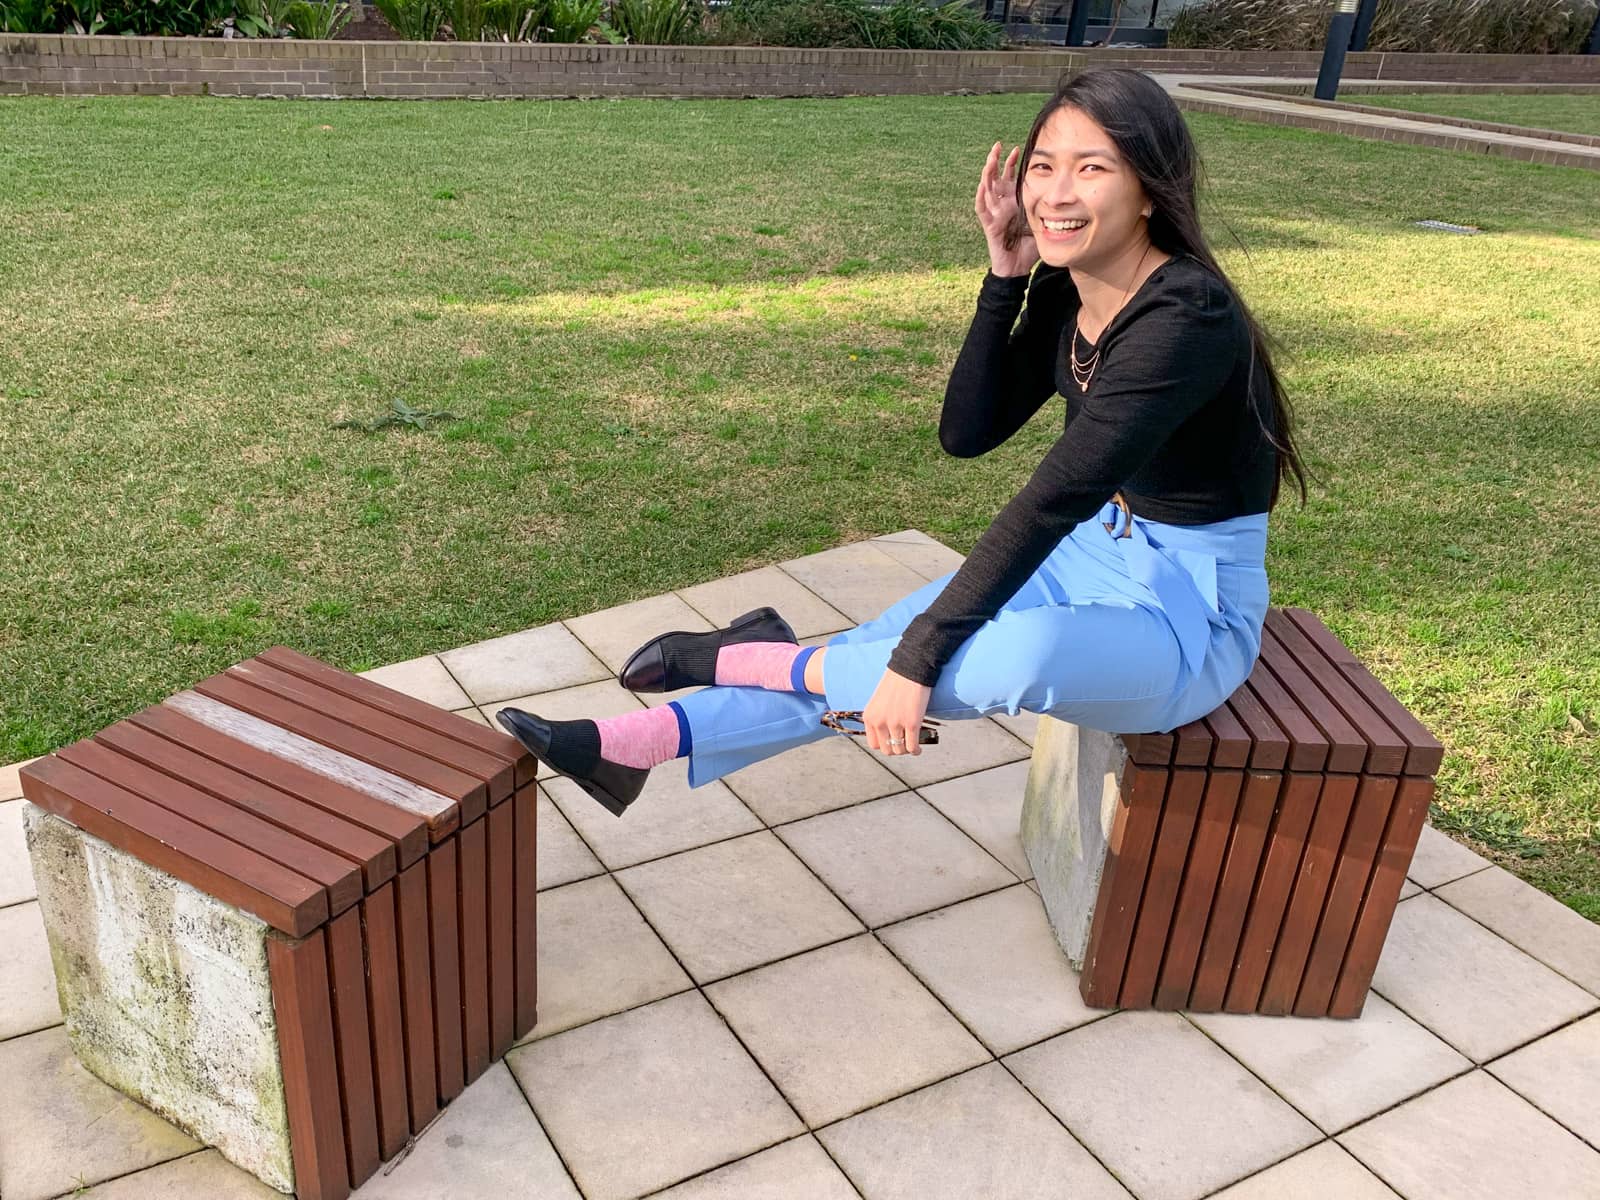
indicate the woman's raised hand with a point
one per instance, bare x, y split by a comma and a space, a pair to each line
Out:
996, 206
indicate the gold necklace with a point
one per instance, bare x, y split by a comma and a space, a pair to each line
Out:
1083, 372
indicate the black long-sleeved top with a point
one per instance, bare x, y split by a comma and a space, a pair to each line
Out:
1167, 420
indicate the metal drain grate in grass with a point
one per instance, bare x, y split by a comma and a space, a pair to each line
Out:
1446, 227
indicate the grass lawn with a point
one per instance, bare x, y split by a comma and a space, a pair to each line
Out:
686, 338
1572, 112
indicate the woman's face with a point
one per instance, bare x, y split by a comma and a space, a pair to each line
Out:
1084, 203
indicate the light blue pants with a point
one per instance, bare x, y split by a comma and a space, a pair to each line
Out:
1132, 634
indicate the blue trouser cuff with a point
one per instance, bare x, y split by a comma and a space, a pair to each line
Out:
797, 669
685, 738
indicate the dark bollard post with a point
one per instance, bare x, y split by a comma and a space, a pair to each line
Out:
1592, 46
1368, 10
1077, 22
1339, 28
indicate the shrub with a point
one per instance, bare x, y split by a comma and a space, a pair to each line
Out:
809, 23
413, 20
657, 22
318, 19
496, 20
571, 20
915, 25
28, 16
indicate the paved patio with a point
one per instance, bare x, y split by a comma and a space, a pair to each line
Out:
829, 977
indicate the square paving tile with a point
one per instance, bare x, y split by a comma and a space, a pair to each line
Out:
16, 872
812, 779
519, 664
1338, 1072
1474, 1139
10, 782
1439, 859
1409, 889
613, 634
977, 1135
27, 980
424, 678
63, 1128
859, 580
1162, 1106
929, 558
1476, 991
996, 964
668, 816
650, 1097
1560, 1073
844, 1028
721, 600
736, 905
487, 1143
892, 858
988, 807
563, 858
597, 956
1024, 726
796, 1170
192, 1177
1532, 921
596, 701
964, 747
473, 715
1324, 1172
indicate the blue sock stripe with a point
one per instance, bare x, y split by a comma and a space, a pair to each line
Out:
685, 738
797, 669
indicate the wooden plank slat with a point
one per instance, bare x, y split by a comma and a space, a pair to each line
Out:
1252, 823
1280, 861
1200, 879
1231, 742
1347, 749
1357, 858
473, 910
1424, 752
1185, 788
1308, 746
502, 939
284, 899
1303, 913
1386, 749
401, 705
1400, 835
525, 837
347, 974
1269, 745
1148, 749
445, 956
416, 993
1133, 830
340, 877
407, 831
494, 773
456, 788
1192, 745
388, 1024
300, 1001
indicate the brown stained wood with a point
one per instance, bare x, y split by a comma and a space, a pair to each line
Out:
339, 876
1148, 749
416, 994
494, 773
525, 865
473, 911
1179, 811
1280, 862
502, 919
1357, 858
347, 973
1424, 752
1133, 832
1247, 840
369, 855
1192, 745
407, 831
284, 899
1347, 749
468, 793
1400, 835
1192, 913
300, 1001
1308, 746
445, 955
401, 705
1269, 746
1303, 913
1386, 749
388, 1023
1231, 741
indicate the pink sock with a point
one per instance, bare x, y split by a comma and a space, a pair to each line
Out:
646, 738
769, 665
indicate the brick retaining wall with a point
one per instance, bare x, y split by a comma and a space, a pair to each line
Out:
70, 65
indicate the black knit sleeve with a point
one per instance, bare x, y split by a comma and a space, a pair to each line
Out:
1170, 356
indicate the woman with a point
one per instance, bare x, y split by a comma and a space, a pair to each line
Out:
1124, 587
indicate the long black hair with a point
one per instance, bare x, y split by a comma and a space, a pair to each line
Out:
1152, 137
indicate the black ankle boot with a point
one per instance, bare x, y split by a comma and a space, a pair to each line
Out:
680, 660
572, 749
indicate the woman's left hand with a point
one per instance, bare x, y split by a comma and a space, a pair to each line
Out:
894, 715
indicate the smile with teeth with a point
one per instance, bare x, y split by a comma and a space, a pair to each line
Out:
1065, 226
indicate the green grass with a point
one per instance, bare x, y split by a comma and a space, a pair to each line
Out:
1572, 112
686, 338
